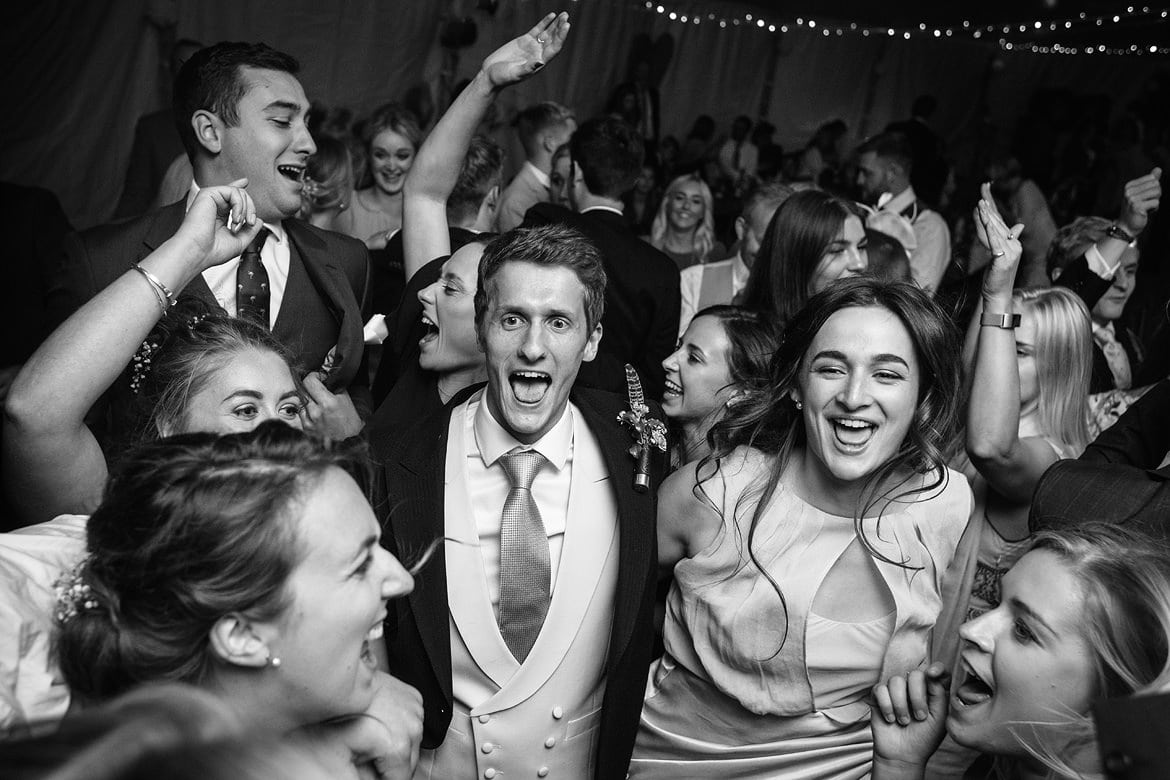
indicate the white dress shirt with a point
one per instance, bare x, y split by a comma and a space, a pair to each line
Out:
930, 258
488, 486
275, 256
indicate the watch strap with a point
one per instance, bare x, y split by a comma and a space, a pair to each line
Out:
1005, 321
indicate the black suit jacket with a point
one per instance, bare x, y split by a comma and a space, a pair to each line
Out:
324, 302
1117, 478
642, 300
418, 637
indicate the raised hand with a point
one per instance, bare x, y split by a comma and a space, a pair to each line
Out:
1141, 197
1004, 243
519, 58
221, 223
909, 716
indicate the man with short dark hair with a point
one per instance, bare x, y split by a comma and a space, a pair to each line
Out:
642, 297
529, 633
240, 112
883, 176
541, 128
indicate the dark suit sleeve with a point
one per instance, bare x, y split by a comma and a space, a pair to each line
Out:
1079, 278
359, 386
1141, 437
663, 335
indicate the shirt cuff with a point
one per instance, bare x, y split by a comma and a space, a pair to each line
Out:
1098, 265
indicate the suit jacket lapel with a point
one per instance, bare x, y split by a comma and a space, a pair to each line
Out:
330, 283
636, 523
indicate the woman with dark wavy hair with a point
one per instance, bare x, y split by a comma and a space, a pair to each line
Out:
813, 240
811, 548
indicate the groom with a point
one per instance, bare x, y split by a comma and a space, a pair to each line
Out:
529, 633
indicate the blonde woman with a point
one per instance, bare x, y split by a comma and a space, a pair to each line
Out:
684, 227
1028, 405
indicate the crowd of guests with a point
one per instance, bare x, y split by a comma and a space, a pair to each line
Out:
607, 489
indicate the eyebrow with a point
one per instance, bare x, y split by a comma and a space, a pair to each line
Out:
285, 105
1020, 606
256, 395
883, 357
694, 347
366, 546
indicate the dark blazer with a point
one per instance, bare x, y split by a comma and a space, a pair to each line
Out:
642, 300
1117, 478
418, 637
324, 302
1078, 278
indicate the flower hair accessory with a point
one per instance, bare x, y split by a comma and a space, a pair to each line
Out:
140, 364
648, 432
74, 595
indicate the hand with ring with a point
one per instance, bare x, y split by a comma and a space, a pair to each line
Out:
521, 57
1004, 243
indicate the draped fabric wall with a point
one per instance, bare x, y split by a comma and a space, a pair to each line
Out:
83, 72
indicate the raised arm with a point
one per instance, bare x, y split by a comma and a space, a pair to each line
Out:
436, 168
52, 462
1091, 276
1010, 464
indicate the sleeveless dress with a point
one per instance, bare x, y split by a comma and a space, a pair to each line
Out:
32, 690
736, 695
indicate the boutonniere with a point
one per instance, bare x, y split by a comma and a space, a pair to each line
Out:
648, 432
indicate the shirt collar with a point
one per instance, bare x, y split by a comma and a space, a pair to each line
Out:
603, 208
493, 440
276, 229
537, 174
739, 270
900, 202
1106, 331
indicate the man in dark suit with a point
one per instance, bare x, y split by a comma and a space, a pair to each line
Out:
1120, 477
543, 676
642, 299
243, 117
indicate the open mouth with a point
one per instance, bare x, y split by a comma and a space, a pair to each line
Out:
529, 387
852, 433
673, 390
367, 654
972, 689
430, 330
294, 173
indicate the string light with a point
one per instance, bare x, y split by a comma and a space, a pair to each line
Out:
1132, 17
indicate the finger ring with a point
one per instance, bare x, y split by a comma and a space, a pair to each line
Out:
540, 40
999, 254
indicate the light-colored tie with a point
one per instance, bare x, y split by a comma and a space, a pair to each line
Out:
1115, 356
524, 559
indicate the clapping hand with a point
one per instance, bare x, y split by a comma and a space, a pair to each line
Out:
909, 716
1141, 197
1002, 241
221, 223
521, 57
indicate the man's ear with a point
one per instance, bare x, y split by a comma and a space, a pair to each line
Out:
208, 130
740, 228
591, 344
235, 640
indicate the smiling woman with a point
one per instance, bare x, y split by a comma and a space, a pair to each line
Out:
1085, 616
684, 227
811, 548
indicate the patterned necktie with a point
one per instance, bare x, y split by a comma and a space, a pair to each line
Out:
1115, 356
252, 292
524, 560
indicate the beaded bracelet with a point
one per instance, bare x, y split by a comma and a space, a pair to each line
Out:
165, 297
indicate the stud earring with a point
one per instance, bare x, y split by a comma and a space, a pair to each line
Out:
274, 661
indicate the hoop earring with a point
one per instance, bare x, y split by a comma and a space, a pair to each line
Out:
799, 405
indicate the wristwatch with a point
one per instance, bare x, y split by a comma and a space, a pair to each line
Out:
1005, 321
1118, 232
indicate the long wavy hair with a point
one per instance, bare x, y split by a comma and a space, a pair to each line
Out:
771, 423
1124, 577
704, 236
1064, 362
792, 247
